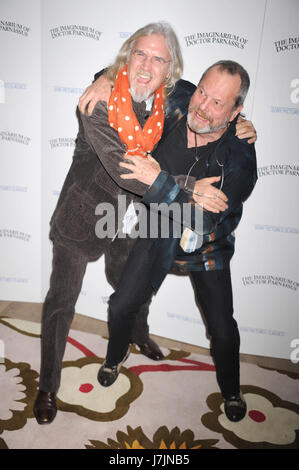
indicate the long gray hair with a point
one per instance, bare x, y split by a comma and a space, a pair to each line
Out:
172, 43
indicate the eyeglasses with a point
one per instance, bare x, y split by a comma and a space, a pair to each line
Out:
201, 204
191, 168
141, 56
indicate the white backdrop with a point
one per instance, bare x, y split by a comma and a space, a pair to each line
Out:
49, 53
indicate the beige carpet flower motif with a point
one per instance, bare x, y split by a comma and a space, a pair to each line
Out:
153, 405
81, 392
162, 439
269, 422
19, 383
264, 422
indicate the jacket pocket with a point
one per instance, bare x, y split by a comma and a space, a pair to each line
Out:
75, 218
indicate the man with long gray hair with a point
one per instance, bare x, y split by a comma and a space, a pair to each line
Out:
145, 71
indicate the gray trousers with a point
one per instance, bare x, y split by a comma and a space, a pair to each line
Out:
68, 269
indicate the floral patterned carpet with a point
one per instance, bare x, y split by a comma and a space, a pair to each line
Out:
172, 404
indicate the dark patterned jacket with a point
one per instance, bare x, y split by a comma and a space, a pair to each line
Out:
235, 161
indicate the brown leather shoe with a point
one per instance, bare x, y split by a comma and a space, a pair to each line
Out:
45, 407
151, 349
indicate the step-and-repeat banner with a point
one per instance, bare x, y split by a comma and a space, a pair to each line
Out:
49, 53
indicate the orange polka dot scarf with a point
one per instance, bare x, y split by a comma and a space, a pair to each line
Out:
123, 119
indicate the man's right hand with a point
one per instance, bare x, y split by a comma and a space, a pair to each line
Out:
142, 169
100, 90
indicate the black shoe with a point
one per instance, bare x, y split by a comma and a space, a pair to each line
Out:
108, 375
235, 408
45, 407
151, 349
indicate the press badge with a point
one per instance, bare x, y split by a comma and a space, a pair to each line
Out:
188, 241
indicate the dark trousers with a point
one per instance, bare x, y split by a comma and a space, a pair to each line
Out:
68, 269
213, 292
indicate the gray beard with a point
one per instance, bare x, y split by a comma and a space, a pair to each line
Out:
210, 130
207, 129
138, 98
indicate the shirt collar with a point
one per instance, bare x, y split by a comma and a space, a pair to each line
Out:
149, 103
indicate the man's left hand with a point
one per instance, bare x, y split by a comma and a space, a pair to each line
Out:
208, 196
142, 169
246, 130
